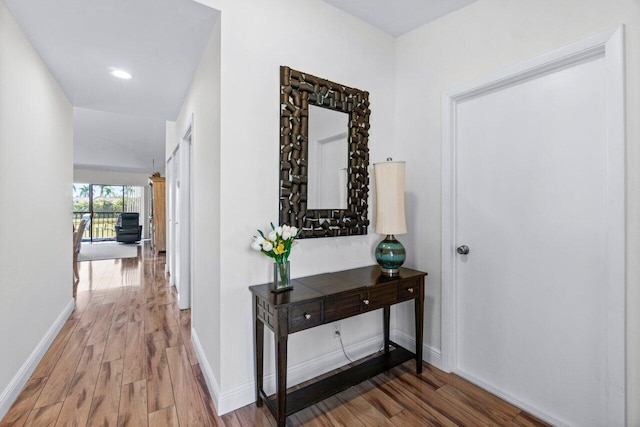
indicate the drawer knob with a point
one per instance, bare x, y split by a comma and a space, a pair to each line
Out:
307, 316
410, 290
366, 302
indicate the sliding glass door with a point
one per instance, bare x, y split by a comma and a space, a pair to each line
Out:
102, 204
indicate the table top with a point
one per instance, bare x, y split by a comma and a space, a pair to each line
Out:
321, 285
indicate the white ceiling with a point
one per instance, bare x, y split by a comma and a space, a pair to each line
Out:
397, 17
160, 42
110, 137
119, 125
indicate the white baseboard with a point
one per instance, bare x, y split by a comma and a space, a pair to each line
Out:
245, 394
10, 393
429, 354
205, 367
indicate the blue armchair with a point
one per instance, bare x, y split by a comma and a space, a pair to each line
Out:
128, 229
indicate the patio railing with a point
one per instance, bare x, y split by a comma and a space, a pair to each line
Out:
103, 225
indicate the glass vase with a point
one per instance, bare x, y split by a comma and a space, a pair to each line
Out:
281, 277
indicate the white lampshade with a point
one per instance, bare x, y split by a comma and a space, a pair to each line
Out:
389, 177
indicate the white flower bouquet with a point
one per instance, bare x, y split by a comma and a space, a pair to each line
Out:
277, 245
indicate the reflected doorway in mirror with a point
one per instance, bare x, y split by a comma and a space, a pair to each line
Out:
328, 159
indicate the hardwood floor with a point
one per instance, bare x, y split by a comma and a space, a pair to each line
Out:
125, 358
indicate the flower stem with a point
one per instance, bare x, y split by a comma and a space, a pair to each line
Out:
282, 267
283, 273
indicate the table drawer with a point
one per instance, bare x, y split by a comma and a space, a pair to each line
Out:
408, 289
379, 296
339, 306
303, 316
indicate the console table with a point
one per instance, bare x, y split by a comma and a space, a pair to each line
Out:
325, 298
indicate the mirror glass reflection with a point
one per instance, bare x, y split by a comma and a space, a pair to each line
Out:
328, 157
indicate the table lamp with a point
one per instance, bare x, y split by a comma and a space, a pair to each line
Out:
390, 218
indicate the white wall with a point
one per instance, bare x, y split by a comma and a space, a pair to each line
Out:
257, 38
36, 164
203, 103
326, 42
482, 38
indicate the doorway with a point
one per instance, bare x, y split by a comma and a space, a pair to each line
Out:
533, 233
180, 211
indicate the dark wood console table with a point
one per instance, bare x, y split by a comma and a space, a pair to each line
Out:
325, 298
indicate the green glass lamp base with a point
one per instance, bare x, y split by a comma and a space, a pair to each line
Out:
390, 255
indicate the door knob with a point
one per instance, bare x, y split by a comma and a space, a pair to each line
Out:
463, 250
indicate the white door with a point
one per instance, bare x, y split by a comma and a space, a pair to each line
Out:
537, 187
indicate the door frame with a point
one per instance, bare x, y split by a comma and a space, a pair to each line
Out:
608, 45
171, 208
185, 297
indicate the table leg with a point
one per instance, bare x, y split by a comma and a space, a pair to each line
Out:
386, 316
259, 343
281, 337
419, 316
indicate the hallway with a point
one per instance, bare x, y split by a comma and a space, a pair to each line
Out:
120, 356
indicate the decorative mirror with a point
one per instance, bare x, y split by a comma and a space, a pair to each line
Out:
324, 155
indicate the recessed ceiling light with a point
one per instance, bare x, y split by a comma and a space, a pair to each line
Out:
121, 74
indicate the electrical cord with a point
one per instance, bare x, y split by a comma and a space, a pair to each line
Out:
345, 351
342, 345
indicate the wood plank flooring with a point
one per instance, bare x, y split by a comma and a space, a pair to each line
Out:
125, 358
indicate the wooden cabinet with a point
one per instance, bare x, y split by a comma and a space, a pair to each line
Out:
158, 217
